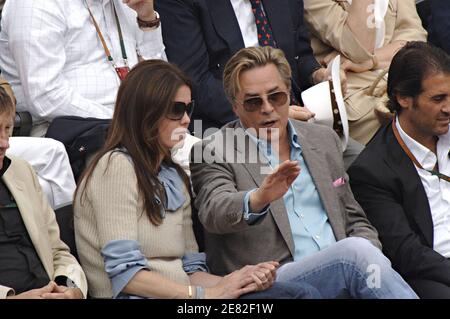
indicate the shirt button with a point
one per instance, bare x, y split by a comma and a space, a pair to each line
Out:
317, 237
302, 216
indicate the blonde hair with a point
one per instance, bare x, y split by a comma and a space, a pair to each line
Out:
6, 102
250, 58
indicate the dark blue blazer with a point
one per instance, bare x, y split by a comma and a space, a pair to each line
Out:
201, 35
439, 27
389, 189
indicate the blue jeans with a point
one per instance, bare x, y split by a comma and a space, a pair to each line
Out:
353, 268
286, 290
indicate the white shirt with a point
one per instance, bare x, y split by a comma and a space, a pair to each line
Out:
437, 190
246, 20
54, 60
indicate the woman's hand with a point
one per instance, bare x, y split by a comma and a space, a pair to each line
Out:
233, 285
264, 275
245, 280
350, 66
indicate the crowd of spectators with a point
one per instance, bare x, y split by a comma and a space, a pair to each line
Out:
176, 132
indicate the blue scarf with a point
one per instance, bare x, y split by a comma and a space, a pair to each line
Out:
174, 185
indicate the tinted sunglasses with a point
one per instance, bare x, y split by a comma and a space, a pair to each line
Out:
178, 109
275, 99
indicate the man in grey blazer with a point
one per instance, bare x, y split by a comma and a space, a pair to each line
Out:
270, 188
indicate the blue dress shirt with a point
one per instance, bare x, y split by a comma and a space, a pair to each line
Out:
311, 230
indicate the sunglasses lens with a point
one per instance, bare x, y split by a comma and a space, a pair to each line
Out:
277, 98
253, 104
190, 109
178, 110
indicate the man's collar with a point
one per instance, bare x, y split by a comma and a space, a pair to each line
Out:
6, 164
293, 137
423, 155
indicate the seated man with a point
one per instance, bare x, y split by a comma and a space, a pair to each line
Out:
217, 30
59, 65
402, 178
56, 62
367, 33
36, 264
303, 212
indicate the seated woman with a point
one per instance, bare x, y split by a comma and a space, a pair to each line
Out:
133, 222
367, 33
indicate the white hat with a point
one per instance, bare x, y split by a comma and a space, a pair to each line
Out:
326, 101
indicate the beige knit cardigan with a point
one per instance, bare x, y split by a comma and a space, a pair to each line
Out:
112, 210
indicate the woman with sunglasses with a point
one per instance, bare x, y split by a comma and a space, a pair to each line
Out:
133, 221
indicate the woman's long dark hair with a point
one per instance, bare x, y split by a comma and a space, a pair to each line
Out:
143, 100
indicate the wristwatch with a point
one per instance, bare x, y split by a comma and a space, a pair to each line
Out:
149, 25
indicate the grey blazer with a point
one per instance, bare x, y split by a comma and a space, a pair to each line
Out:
220, 185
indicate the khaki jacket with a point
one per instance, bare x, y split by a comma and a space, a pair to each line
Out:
40, 221
329, 32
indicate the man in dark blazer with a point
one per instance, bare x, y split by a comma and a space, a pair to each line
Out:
270, 187
201, 35
401, 178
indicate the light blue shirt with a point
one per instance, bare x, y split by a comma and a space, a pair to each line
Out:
311, 230
123, 259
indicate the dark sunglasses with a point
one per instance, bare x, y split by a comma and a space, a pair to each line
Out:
275, 99
178, 109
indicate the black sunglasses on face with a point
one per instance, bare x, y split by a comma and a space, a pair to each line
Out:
178, 109
275, 99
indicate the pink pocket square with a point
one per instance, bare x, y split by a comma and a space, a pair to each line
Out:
339, 182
